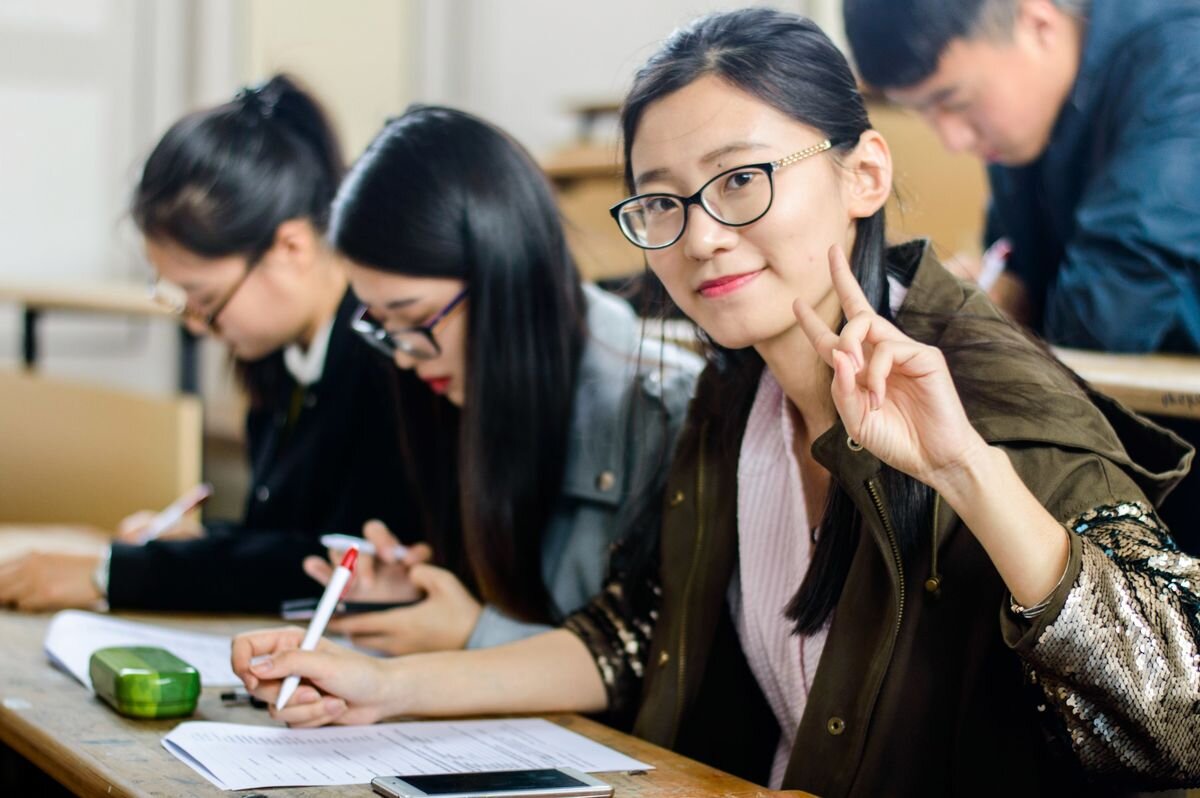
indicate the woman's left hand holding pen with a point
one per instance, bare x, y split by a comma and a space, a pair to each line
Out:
339, 685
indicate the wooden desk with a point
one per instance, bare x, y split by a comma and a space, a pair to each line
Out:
107, 298
1161, 385
49, 719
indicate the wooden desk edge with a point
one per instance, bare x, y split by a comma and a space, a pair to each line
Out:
665, 761
78, 773
112, 298
1161, 385
85, 776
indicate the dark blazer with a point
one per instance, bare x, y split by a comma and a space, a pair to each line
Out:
335, 465
1104, 224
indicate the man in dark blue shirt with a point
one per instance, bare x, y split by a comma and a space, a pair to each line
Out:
1088, 114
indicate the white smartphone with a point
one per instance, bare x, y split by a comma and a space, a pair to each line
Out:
563, 782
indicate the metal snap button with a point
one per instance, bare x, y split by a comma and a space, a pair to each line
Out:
605, 481
663, 659
835, 726
676, 498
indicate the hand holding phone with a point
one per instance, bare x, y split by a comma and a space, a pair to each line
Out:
383, 578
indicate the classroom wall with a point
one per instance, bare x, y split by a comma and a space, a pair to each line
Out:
82, 85
357, 57
523, 63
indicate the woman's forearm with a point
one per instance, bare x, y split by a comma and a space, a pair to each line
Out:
551, 672
1026, 544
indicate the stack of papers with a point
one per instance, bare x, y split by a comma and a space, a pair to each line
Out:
73, 636
237, 757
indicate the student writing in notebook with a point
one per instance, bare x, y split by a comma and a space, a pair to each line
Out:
902, 551
554, 418
233, 203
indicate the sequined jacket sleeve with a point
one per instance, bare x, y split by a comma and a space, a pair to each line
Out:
616, 626
1116, 655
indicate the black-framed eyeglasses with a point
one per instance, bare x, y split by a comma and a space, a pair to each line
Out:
175, 298
416, 342
736, 197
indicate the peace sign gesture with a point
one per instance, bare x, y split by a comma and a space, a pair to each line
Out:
894, 395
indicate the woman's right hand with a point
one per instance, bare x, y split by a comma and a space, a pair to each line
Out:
378, 578
338, 685
132, 527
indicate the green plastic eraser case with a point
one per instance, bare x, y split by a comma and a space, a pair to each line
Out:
144, 682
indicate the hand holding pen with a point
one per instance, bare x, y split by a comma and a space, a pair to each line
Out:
316, 627
339, 685
172, 522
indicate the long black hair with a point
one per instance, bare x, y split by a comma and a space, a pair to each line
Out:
441, 193
221, 181
787, 62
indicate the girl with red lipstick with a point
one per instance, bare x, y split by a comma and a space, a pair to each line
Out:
903, 551
556, 420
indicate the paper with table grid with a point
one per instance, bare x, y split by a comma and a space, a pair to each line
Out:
238, 757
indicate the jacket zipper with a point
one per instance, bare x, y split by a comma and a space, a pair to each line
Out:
687, 590
873, 489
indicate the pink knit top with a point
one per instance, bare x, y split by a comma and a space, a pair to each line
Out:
774, 549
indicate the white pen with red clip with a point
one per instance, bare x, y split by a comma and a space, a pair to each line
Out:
316, 627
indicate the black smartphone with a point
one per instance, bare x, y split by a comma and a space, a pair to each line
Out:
556, 783
303, 609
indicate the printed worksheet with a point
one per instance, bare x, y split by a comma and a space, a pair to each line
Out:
238, 757
73, 636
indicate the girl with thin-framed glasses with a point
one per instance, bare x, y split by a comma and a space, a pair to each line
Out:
904, 551
555, 420
233, 203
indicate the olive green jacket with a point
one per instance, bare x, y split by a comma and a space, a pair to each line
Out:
928, 683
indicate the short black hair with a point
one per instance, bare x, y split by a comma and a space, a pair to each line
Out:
222, 179
898, 44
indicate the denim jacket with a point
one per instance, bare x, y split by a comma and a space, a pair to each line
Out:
630, 401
